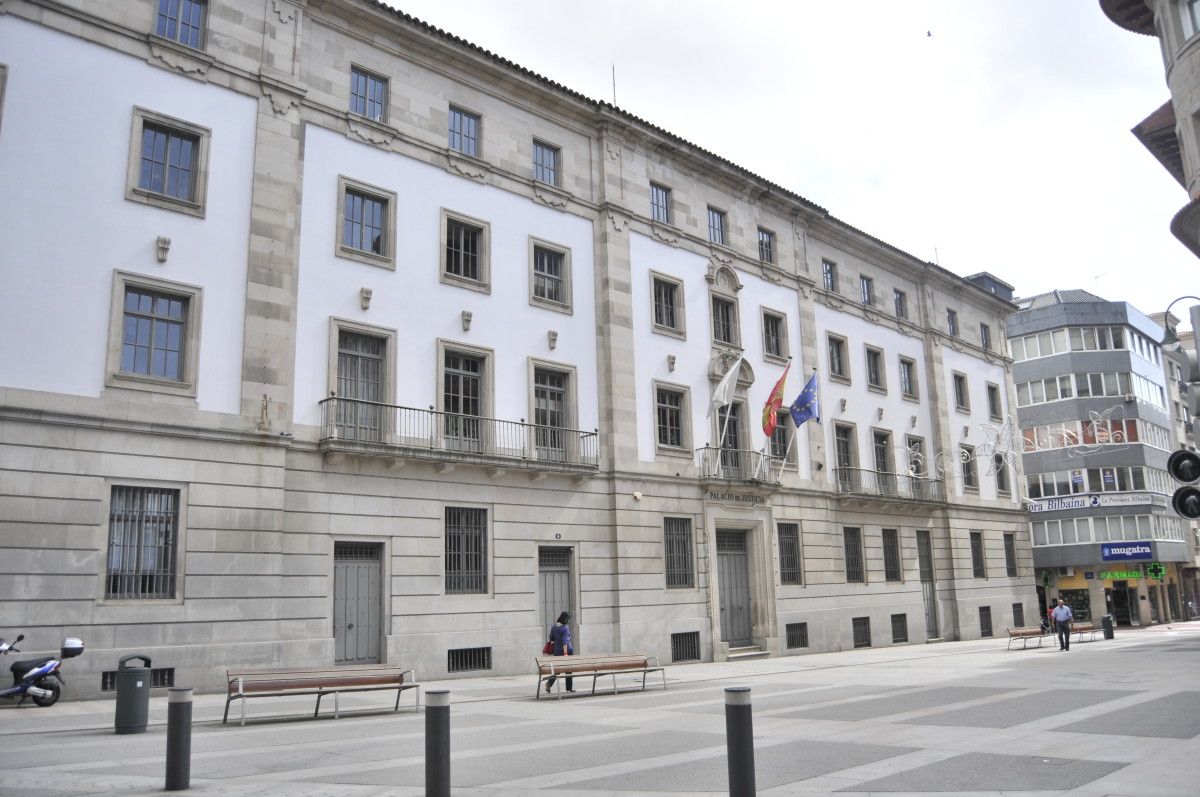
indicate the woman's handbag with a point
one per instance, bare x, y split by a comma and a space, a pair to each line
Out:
548, 648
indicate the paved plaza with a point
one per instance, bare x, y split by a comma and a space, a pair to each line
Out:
1119, 717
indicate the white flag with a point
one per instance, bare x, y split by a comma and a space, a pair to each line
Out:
724, 392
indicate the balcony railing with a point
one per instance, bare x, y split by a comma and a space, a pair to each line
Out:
855, 481
370, 427
739, 464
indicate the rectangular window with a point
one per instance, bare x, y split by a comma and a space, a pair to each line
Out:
899, 628
908, 378
365, 218
882, 443
360, 386
852, 543
797, 635
168, 163
985, 337
891, 555
837, 358
952, 322
790, 571
829, 276
660, 203
462, 400
466, 551
993, 397
677, 548
466, 255
550, 413
464, 132
962, 399
781, 437
843, 444
1010, 556
153, 334
368, 94
875, 372
978, 562
862, 631
1000, 466
766, 245
866, 289
143, 533
774, 335
724, 320
181, 21
546, 163
550, 273
668, 304
1018, 615
716, 225
985, 621
900, 301
969, 475
669, 408
468, 659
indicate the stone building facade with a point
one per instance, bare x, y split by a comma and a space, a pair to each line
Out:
364, 344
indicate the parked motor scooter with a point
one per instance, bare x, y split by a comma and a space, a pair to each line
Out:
35, 678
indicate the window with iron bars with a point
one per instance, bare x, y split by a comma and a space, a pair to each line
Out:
677, 545
143, 529
891, 555
797, 635
466, 550
862, 631
985, 621
1010, 555
852, 542
685, 646
978, 562
899, 628
790, 565
1018, 615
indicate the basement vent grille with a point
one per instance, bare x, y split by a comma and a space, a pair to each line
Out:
899, 628
797, 635
468, 659
686, 646
862, 632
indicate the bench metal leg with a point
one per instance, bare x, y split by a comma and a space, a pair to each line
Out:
243, 711
225, 718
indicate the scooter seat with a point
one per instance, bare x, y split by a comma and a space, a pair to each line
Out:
19, 668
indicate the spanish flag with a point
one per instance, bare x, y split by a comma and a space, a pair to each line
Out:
774, 403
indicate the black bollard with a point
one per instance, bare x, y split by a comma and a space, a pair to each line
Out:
179, 738
437, 743
739, 741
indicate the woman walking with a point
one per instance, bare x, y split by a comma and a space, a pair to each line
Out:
560, 638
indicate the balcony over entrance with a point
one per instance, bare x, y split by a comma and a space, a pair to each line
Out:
738, 465
352, 426
856, 482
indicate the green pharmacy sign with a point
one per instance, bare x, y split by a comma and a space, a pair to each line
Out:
1156, 570
1121, 575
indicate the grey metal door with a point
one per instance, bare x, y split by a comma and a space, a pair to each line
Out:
928, 583
734, 578
356, 602
554, 587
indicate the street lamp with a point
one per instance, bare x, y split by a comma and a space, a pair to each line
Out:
1169, 336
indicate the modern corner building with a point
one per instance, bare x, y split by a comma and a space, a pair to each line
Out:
1097, 427
1172, 132
343, 340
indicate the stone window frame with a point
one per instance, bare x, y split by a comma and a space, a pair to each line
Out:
996, 413
768, 252
965, 404
533, 364
866, 290
489, 540
680, 330
978, 555
914, 382
388, 198
369, 75
1003, 477
852, 429
181, 529
985, 337
487, 399
390, 339
484, 283
687, 545
843, 375
685, 448
968, 470
881, 386
791, 577
196, 206
900, 303
724, 288
188, 386
668, 206
567, 305
895, 544
556, 168
952, 325
860, 560
785, 349
721, 228
829, 275
204, 23
453, 109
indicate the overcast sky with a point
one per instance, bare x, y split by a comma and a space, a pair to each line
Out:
982, 136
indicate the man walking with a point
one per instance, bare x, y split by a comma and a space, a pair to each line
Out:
1062, 624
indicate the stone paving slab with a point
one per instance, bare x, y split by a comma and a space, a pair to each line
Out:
896, 704
1025, 708
1175, 716
988, 771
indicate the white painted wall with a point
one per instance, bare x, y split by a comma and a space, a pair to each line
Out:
65, 224
693, 354
415, 303
978, 422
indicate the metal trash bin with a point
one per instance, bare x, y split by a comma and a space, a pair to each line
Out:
133, 695
1106, 622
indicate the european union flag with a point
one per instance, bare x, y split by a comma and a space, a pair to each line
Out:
806, 404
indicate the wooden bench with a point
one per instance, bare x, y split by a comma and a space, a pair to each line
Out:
596, 665
1024, 634
244, 684
1085, 628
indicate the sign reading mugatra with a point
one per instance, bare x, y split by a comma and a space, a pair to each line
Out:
1125, 551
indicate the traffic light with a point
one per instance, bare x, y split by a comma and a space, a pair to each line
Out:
1184, 466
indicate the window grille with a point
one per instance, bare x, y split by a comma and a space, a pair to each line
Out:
548, 275
1018, 614
160, 678
466, 550
862, 632
181, 21
685, 646
985, 621
790, 566
545, 163
899, 628
463, 249
891, 555
677, 543
357, 551
1010, 555
143, 525
660, 202
368, 94
978, 564
554, 558
852, 541
168, 162
464, 132
797, 635
153, 334
468, 659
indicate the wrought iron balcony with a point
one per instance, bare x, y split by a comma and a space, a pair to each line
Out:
369, 427
738, 464
856, 481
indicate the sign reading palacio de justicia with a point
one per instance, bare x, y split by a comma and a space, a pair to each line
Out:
750, 499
